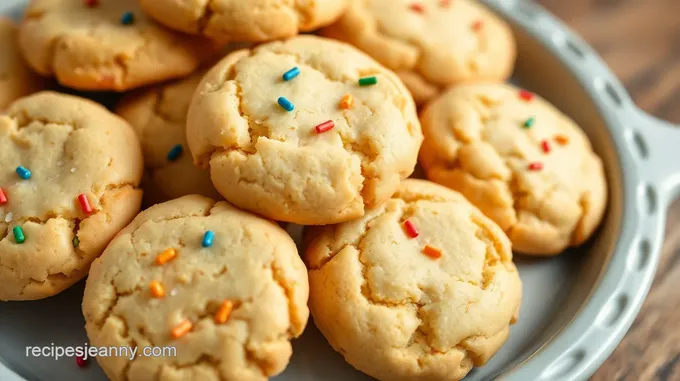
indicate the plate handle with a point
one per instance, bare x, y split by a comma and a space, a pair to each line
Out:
659, 143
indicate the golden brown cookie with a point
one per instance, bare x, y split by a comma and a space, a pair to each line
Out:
109, 45
229, 306
16, 78
239, 20
159, 115
334, 138
422, 288
70, 171
525, 164
430, 44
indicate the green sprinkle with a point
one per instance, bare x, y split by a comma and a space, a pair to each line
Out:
529, 122
368, 81
18, 234
76, 242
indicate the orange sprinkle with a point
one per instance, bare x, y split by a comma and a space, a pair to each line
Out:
181, 329
477, 25
156, 289
347, 102
445, 3
562, 139
166, 256
223, 313
432, 252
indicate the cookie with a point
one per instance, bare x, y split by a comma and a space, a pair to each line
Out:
421, 288
238, 20
68, 184
158, 115
334, 137
16, 78
525, 164
229, 306
430, 44
106, 45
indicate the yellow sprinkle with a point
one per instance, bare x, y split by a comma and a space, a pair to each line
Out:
166, 256
181, 329
223, 313
432, 252
347, 102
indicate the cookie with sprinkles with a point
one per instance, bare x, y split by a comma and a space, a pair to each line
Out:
430, 44
106, 45
203, 277
420, 288
16, 78
239, 20
158, 115
68, 184
524, 163
317, 146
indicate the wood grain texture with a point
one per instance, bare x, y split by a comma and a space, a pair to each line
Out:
640, 40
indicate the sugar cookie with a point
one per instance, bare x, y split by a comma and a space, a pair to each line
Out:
309, 130
430, 44
225, 288
422, 288
16, 78
110, 45
520, 160
238, 20
70, 171
158, 115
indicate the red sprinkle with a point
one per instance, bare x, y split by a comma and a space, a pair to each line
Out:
3, 198
325, 126
417, 7
80, 360
477, 25
411, 229
546, 146
526, 95
444, 3
536, 166
84, 203
91, 3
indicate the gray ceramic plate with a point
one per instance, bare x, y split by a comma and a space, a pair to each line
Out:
576, 307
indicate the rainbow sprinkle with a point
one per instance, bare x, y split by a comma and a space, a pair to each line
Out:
325, 126
411, 229
23, 172
368, 81
529, 122
128, 18
347, 102
223, 313
3, 197
545, 145
290, 74
208, 239
432, 252
18, 234
526, 95
535, 166
175, 152
166, 256
84, 203
286, 104
156, 289
181, 329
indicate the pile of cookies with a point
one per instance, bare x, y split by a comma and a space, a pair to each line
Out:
232, 119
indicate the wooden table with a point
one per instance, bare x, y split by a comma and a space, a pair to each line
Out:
640, 40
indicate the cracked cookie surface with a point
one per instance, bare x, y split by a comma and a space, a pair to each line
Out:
71, 146
273, 162
252, 262
16, 78
238, 20
395, 313
90, 48
158, 116
430, 44
525, 164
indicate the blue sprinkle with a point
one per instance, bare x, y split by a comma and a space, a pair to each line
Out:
128, 18
175, 152
290, 74
23, 173
286, 104
208, 238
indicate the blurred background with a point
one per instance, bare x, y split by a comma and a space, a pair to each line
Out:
640, 41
